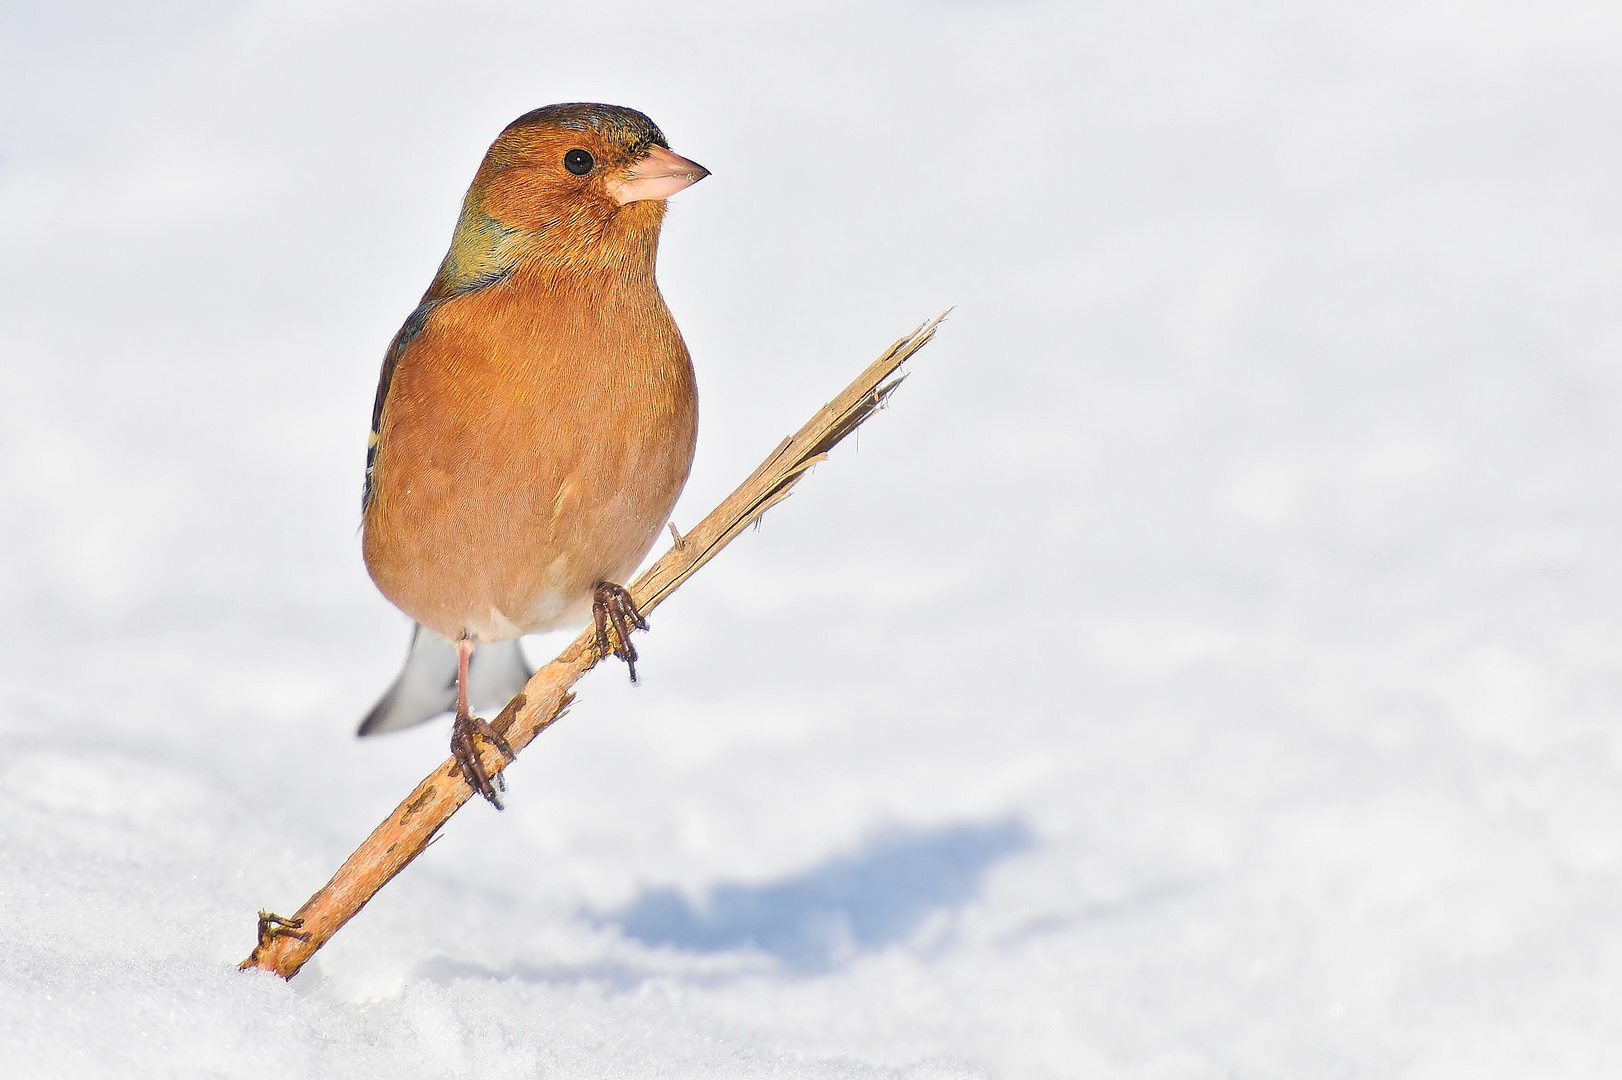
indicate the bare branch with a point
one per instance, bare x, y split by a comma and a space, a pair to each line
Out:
286, 944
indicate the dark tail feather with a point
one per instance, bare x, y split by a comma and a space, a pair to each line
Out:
427, 686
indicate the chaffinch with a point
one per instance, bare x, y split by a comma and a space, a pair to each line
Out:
535, 419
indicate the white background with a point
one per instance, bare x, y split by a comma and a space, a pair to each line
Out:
1209, 666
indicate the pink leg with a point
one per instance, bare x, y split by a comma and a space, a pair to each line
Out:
468, 727
464, 654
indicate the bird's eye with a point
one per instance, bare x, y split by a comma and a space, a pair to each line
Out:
578, 161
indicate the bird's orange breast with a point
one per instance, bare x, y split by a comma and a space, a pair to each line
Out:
532, 443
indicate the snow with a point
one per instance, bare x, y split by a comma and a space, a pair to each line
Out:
1208, 666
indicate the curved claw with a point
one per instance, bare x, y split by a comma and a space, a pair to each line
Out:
465, 749
615, 615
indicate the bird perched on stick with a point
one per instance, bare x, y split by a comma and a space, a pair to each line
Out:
535, 419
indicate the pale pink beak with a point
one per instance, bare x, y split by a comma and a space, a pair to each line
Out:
658, 174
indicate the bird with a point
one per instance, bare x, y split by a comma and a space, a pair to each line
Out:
535, 418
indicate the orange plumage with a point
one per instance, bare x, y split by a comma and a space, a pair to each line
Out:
537, 414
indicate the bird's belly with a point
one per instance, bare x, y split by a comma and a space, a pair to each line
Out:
507, 527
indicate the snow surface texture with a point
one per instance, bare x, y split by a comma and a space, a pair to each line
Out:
1209, 666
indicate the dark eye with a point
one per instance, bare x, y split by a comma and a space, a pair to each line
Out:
578, 161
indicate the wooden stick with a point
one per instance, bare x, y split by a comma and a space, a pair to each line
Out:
286, 944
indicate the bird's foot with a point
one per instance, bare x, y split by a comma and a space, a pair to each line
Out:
616, 616
465, 749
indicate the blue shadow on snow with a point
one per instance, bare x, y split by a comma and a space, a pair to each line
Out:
852, 903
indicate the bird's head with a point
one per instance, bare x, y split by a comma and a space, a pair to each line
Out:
567, 189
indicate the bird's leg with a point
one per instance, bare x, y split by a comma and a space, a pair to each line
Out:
463, 745
616, 616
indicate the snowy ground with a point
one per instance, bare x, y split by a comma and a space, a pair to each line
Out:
1210, 666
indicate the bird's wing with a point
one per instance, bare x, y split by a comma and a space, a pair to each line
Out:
427, 685
483, 253
391, 360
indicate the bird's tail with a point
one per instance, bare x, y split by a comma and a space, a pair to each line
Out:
427, 686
